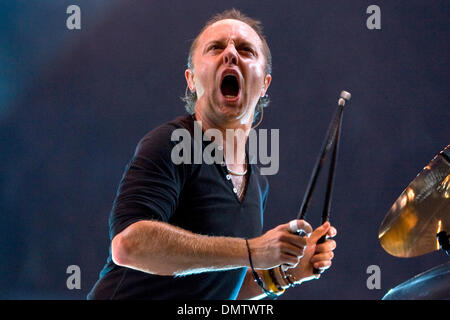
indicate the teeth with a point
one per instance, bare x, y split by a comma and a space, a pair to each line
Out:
228, 96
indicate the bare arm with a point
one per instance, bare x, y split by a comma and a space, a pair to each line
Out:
160, 248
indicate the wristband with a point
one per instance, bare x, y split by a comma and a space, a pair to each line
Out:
277, 288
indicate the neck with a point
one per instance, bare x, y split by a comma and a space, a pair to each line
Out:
234, 135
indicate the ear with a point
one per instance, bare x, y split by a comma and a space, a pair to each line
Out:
267, 81
189, 75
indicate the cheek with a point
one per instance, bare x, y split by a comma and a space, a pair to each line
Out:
198, 80
256, 69
257, 77
199, 89
202, 78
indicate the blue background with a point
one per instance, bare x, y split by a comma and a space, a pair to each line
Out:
74, 103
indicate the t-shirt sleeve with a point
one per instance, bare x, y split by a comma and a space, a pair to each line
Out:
151, 184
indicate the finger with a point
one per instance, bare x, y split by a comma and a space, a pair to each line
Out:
322, 265
295, 226
321, 257
292, 250
332, 232
294, 239
328, 245
305, 226
289, 260
319, 232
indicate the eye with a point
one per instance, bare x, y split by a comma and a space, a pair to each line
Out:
248, 50
214, 47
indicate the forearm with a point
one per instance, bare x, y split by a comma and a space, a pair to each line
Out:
250, 290
160, 248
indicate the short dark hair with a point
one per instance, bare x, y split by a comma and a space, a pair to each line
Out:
190, 98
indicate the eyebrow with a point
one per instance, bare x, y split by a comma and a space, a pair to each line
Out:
239, 43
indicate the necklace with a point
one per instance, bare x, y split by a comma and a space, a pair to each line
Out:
237, 173
239, 183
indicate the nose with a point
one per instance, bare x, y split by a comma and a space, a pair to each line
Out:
230, 55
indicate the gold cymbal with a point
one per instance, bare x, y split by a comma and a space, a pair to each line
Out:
423, 209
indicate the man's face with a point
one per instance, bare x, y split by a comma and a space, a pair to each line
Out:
228, 71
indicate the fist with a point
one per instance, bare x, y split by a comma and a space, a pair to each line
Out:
280, 245
316, 256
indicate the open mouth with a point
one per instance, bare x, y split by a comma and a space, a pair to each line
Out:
230, 86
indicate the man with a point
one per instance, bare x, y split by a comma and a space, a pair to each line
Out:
193, 231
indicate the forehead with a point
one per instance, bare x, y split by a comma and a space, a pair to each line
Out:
230, 29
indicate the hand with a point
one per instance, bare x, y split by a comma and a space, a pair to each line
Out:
317, 256
279, 246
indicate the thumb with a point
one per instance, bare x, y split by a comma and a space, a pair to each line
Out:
319, 232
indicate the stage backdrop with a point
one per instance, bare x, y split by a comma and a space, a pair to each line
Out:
75, 102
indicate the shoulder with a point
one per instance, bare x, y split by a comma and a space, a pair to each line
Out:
159, 139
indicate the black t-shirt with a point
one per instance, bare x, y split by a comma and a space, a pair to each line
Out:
197, 197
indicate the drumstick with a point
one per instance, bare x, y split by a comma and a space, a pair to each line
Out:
332, 136
327, 143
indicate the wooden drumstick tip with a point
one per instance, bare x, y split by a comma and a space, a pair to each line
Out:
345, 96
